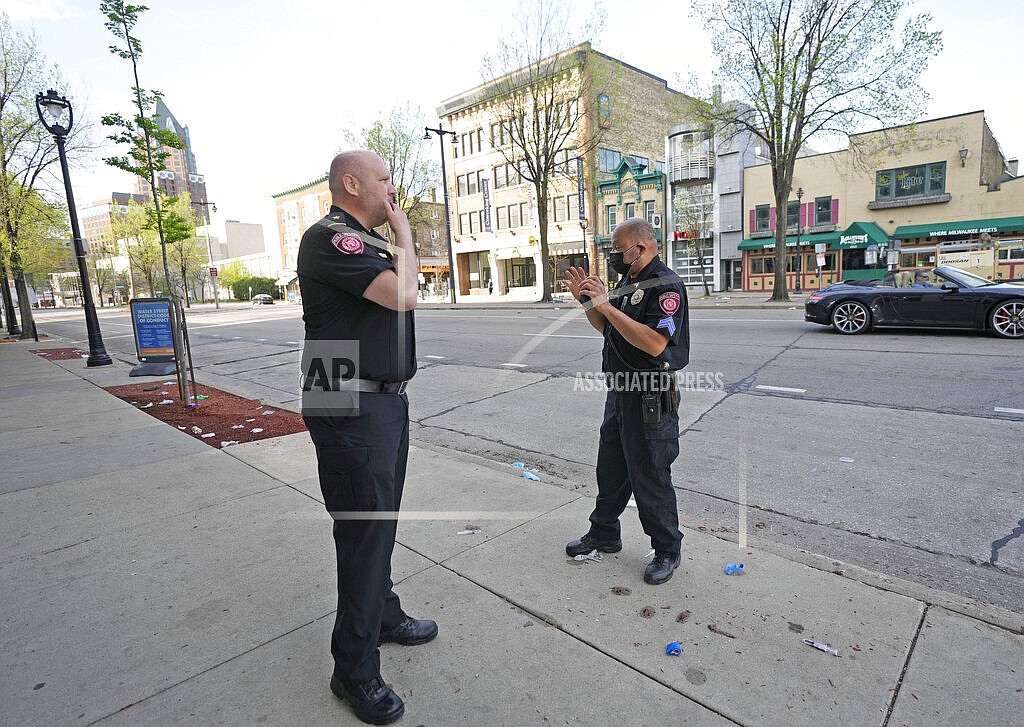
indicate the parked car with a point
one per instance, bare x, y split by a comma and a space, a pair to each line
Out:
262, 299
956, 299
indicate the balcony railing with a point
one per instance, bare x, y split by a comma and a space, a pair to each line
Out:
690, 166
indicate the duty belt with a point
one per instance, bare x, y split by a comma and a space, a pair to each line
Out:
368, 386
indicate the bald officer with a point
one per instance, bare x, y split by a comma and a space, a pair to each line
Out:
645, 325
358, 294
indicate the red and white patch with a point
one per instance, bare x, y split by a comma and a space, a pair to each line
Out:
348, 244
669, 302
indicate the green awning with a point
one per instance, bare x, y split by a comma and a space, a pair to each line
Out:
766, 243
860, 235
964, 227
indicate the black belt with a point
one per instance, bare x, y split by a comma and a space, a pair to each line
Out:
369, 386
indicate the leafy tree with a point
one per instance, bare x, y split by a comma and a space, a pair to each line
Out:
143, 135
26, 151
41, 239
804, 68
536, 86
231, 274
398, 140
140, 244
180, 234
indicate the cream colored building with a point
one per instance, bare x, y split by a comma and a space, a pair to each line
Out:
495, 230
938, 191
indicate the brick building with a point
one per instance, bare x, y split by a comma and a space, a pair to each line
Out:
626, 113
936, 192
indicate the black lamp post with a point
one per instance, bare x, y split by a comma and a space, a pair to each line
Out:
447, 214
56, 115
797, 266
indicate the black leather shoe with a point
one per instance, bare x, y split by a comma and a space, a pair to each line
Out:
660, 569
373, 701
411, 632
587, 544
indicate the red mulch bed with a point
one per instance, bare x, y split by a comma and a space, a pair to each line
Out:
229, 418
60, 354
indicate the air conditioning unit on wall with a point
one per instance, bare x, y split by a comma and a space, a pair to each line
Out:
656, 221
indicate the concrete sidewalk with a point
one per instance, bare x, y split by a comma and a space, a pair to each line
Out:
149, 579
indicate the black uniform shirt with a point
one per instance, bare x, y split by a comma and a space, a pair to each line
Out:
334, 270
656, 297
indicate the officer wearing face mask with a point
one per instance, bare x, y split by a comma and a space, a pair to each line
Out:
645, 324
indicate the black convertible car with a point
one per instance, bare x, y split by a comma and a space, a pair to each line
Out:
955, 298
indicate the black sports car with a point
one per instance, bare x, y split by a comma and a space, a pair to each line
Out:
952, 298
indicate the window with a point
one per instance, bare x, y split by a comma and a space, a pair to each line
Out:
630, 210
822, 210
503, 218
468, 183
608, 159
514, 219
611, 213
792, 214
464, 223
762, 217
604, 110
916, 181
762, 265
560, 208
649, 211
1011, 253
659, 167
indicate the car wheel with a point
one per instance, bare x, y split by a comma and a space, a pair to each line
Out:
1007, 319
851, 317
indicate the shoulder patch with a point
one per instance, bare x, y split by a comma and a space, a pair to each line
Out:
348, 244
669, 302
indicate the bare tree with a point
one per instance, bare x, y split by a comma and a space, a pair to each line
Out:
804, 68
693, 208
539, 79
398, 140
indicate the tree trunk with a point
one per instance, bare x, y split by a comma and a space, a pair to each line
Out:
8, 301
28, 324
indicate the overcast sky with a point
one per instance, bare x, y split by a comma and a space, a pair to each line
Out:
267, 88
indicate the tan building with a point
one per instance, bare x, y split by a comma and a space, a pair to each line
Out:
299, 208
95, 219
936, 192
494, 211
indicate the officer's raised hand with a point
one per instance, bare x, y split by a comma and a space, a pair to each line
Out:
399, 222
574, 278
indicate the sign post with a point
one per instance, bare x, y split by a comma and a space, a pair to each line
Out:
153, 325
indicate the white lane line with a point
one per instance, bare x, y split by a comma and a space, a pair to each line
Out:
261, 339
1004, 410
558, 335
784, 389
437, 357
516, 365
292, 343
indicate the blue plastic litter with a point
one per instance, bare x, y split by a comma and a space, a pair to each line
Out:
673, 649
518, 464
530, 476
733, 569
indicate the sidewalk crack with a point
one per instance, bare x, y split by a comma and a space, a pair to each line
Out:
906, 665
997, 545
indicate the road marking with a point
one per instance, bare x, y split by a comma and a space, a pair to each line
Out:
558, 335
437, 357
1004, 410
292, 343
261, 339
516, 365
783, 389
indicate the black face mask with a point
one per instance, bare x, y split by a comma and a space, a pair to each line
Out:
620, 266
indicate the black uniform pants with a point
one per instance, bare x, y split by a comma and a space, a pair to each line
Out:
362, 461
634, 458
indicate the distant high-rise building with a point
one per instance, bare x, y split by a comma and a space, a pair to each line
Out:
96, 217
181, 173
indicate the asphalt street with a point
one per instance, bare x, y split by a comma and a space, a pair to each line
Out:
897, 450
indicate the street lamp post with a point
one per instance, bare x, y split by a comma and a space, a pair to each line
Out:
440, 131
209, 251
56, 115
797, 266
